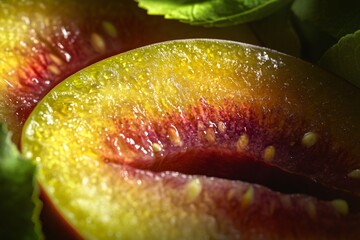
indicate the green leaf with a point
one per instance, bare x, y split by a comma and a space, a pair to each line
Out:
336, 18
277, 32
344, 58
213, 12
19, 202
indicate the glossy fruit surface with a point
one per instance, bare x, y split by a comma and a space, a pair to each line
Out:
161, 142
44, 41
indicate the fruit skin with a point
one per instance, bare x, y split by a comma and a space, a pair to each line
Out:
106, 127
54, 226
43, 42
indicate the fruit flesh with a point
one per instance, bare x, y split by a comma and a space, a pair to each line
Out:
99, 137
44, 42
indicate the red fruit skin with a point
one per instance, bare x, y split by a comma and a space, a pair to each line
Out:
53, 224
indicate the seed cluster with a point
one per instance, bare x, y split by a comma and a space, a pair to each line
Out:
241, 128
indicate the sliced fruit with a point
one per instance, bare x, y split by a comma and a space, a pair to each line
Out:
43, 42
200, 139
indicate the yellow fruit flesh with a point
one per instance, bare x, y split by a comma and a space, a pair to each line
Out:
71, 122
65, 134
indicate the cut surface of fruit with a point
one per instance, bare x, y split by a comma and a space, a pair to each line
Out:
158, 143
44, 41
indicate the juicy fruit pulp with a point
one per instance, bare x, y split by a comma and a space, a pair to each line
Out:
144, 145
44, 41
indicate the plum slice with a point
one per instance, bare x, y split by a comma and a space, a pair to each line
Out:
44, 41
200, 139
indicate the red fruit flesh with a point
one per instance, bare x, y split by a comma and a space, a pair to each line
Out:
230, 141
46, 41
